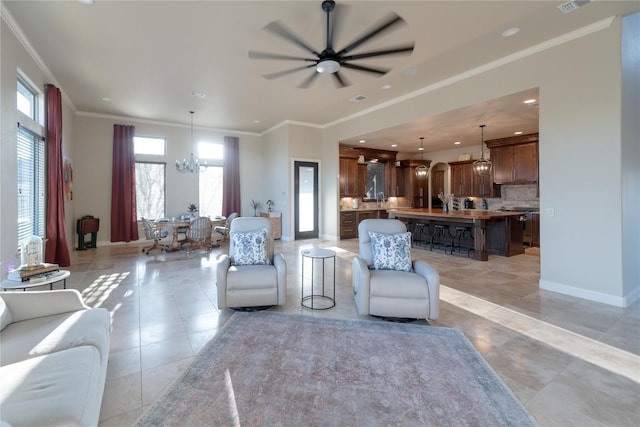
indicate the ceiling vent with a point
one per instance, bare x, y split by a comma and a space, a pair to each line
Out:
570, 6
358, 98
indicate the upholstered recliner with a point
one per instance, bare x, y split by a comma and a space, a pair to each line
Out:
251, 275
389, 292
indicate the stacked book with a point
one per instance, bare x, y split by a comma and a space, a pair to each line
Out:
25, 274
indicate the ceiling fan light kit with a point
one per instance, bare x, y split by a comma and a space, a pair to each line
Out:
330, 61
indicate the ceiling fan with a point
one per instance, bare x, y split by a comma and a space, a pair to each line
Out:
330, 61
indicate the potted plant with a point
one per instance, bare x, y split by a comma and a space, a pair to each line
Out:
255, 205
193, 209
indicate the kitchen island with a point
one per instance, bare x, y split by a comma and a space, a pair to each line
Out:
494, 232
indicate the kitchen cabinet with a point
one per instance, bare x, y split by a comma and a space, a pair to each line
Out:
349, 220
348, 225
396, 183
417, 190
465, 183
349, 177
515, 159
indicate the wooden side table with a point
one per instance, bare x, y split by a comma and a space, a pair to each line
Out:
276, 222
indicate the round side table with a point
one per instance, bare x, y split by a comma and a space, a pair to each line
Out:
318, 299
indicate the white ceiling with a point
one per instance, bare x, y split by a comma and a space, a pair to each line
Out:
149, 57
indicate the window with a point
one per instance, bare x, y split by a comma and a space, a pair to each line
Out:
150, 190
148, 145
210, 197
150, 177
210, 179
31, 161
27, 99
31, 184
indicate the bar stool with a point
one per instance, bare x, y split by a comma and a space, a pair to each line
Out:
462, 235
419, 234
440, 236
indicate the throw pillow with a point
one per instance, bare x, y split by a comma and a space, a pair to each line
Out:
250, 248
391, 251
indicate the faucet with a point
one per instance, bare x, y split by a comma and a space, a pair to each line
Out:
379, 200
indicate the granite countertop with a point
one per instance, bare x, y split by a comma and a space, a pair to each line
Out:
462, 214
365, 209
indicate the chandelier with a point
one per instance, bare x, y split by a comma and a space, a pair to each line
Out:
192, 165
483, 166
422, 170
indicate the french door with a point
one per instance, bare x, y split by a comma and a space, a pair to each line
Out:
306, 200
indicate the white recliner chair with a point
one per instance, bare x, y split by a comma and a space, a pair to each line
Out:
251, 275
411, 294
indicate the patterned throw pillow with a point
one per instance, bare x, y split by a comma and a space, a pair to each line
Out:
250, 248
391, 251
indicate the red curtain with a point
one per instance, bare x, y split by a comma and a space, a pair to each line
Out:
124, 225
56, 247
231, 176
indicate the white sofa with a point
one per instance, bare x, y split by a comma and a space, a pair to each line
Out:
53, 359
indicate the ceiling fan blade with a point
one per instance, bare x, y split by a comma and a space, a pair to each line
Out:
400, 49
279, 30
372, 70
266, 55
392, 21
341, 80
307, 82
277, 74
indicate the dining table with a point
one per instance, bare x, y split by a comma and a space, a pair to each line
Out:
178, 226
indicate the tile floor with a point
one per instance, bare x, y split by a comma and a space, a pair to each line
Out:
571, 362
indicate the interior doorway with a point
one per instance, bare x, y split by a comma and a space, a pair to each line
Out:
306, 197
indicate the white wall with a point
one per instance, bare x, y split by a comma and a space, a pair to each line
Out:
631, 154
15, 57
580, 116
275, 155
93, 157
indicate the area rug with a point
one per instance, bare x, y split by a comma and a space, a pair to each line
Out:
274, 369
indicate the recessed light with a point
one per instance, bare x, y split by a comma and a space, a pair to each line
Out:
385, 87
457, 143
394, 145
198, 95
105, 99
518, 132
362, 141
530, 101
421, 149
256, 121
510, 31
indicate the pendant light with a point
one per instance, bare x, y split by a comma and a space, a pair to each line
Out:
192, 165
482, 167
422, 170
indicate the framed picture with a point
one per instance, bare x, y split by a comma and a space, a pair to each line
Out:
465, 156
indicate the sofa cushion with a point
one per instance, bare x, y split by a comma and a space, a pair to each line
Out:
59, 389
391, 251
250, 248
44, 335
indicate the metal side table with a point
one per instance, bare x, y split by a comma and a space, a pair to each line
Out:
319, 299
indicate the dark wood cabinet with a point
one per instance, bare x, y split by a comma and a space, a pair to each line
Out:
348, 177
465, 183
417, 190
396, 187
348, 225
515, 159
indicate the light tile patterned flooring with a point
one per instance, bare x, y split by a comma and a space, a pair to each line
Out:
570, 361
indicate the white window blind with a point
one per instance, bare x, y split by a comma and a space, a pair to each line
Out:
31, 184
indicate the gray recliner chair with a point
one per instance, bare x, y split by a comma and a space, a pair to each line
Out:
257, 282
390, 293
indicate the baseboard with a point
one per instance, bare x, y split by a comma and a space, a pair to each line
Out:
617, 301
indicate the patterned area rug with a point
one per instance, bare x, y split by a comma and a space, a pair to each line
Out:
276, 369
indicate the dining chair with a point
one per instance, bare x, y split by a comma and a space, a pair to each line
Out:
153, 232
199, 234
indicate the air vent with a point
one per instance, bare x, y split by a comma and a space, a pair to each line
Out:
570, 6
358, 98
